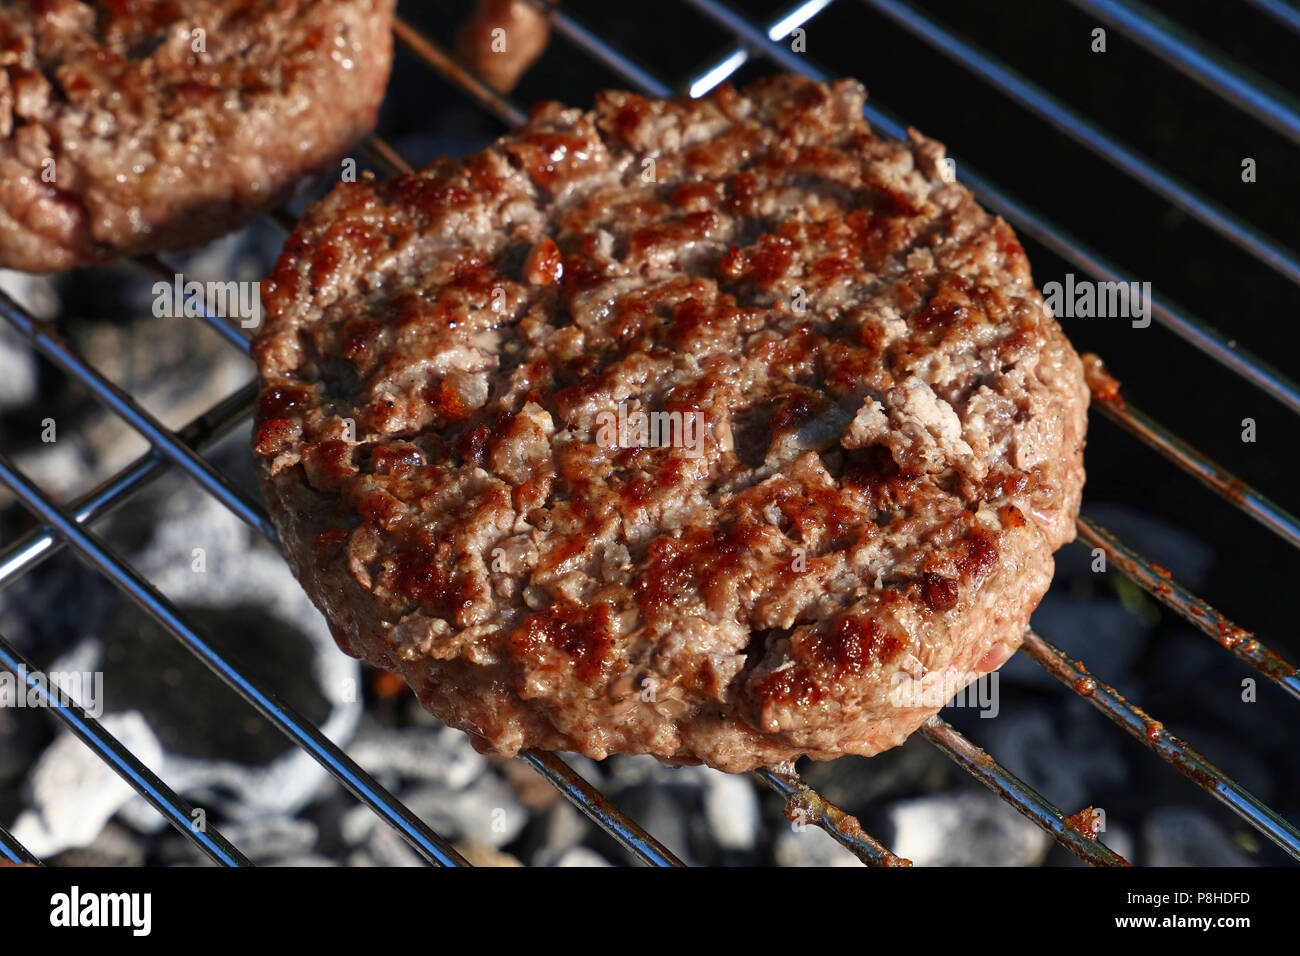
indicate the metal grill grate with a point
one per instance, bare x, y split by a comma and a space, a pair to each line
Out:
71, 524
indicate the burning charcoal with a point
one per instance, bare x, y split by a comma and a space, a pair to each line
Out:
965, 829
731, 810
74, 793
436, 754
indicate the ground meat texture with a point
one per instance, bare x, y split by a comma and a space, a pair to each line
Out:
140, 125
891, 444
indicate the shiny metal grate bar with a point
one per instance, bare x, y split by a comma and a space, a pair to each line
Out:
38, 544
1091, 136
161, 437
172, 449
13, 851
145, 782
599, 810
92, 549
1280, 11
1200, 63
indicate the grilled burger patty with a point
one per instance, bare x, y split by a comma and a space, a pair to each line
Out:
865, 429
137, 125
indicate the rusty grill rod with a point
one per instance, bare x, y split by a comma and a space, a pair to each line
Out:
805, 803
1019, 794
1214, 476
1171, 749
1157, 582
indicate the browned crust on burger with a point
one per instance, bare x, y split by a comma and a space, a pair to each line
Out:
895, 428
118, 136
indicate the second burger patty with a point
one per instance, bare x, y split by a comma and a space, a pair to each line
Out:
721, 430
133, 127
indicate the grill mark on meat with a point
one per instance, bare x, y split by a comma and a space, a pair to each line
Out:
887, 467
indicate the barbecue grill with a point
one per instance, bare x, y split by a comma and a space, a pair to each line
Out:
72, 524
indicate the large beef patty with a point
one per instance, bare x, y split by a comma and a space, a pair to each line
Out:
139, 125
720, 430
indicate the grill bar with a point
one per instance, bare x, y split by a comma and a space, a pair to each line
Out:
1200, 63
161, 437
1089, 135
600, 51
383, 155
38, 544
1172, 750
176, 811
1157, 582
228, 330
722, 68
1218, 479
422, 839
441, 60
1190, 329
599, 810
1280, 11
1019, 794
13, 851
804, 802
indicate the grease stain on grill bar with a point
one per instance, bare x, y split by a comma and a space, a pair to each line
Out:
1019, 794
804, 804
1107, 399
1157, 582
1171, 749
